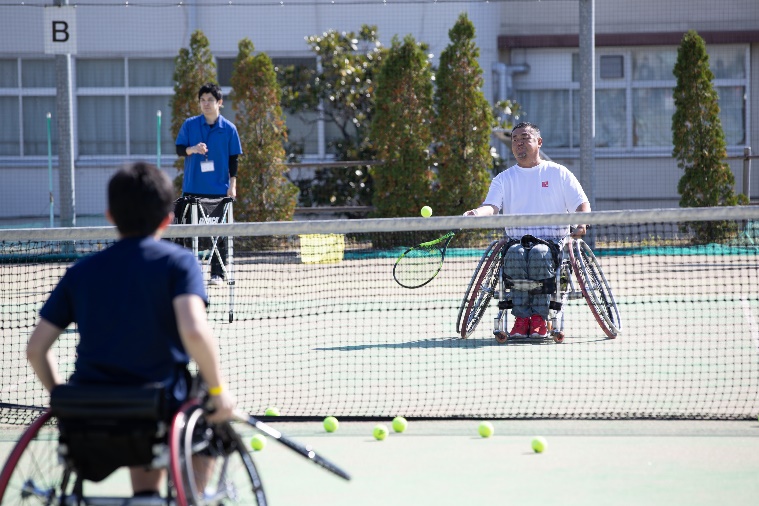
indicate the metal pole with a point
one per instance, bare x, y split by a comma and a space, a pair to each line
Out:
65, 114
50, 166
587, 99
158, 139
747, 173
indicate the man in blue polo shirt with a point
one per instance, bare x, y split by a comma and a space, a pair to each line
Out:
139, 306
210, 144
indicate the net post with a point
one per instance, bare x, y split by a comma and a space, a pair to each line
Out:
158, 139
50, 167
747, 172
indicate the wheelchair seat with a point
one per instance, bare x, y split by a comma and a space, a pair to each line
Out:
103, 428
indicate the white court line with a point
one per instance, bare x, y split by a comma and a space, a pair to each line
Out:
751, 322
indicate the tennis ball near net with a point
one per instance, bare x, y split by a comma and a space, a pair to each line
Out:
272, 411
399, 424
485, 429
380, 432
258, 442
539, 444
426, 211
331, 424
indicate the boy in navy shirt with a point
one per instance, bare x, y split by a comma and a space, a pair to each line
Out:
139, 305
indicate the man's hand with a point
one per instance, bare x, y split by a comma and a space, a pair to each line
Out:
579, 231
232, 191
224, 405
199, 149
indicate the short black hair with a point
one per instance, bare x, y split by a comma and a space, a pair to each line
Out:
211, 88
527, 124
140, 196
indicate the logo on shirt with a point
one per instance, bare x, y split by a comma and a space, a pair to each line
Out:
210, 220
544, 184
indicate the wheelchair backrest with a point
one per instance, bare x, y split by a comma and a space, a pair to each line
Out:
103, 428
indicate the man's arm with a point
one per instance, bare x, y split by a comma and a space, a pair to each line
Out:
40, 356
199, 342
232, 191
486, 210
581, 228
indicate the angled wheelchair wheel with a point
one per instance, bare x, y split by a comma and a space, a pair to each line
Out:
595, 288
481, 289
210, 463
475, 275
32, 473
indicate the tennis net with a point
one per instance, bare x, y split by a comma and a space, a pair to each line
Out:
315, 324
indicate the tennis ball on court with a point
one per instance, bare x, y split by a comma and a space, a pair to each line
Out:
272, 411
380, 432
331, 424
426, 211
485, 429
258, 442
539, 444
399, 424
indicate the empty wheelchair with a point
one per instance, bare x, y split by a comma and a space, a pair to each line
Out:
89, 432
577, 275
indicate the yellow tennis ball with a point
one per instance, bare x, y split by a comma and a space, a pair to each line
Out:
380, 432
399, 424
331, 424
426, 211
258, 442
539, 444
485, 429
272, 411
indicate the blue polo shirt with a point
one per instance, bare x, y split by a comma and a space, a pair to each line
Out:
222, 141
121, 300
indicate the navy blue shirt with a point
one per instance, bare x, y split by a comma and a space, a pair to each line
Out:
121, 300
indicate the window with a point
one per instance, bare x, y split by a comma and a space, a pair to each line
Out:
27, 95
116, 104
634, 103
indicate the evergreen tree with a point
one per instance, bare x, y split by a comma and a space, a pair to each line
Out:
698, 138
463, 126
344, 85
401, 131
193, 68
264, 192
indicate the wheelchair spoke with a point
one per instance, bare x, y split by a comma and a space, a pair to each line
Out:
481, 289
32, 473
596, 289
215, 465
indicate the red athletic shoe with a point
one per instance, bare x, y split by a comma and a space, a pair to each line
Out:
537, 326
521, 327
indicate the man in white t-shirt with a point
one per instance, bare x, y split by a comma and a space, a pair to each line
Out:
532, 186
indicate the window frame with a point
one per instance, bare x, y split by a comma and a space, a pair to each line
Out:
627, 83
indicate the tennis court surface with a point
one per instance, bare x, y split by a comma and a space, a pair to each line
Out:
665, 413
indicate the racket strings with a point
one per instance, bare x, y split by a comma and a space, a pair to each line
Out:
418, 265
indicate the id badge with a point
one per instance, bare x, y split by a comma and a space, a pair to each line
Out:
206, 166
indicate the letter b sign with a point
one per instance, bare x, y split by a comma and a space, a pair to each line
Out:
60, 30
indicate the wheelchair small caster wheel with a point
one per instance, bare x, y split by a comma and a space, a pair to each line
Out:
501, 337
558, 337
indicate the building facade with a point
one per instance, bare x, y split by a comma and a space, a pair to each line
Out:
122, 71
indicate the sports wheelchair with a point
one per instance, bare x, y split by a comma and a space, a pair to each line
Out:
100, 429
574, 262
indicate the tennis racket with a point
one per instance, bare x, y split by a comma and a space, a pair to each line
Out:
305, 451
419, 265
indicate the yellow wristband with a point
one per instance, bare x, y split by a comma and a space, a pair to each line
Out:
215, 390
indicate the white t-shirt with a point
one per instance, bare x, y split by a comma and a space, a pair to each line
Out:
547, 188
